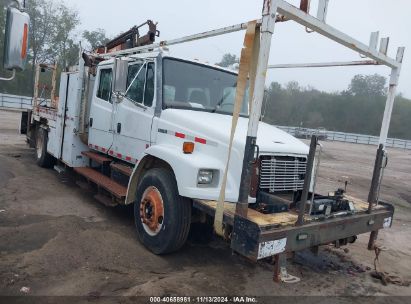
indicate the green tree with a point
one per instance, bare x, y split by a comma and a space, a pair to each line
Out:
53, 36
227, 60
64, 40
96, 38
367, 85
359, 112
42, 30
292, 86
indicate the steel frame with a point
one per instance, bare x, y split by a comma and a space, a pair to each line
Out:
289, 12
322, 64
270, 11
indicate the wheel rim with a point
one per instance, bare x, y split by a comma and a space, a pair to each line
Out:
152, 211
39, 145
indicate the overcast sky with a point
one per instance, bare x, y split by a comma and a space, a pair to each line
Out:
291, 43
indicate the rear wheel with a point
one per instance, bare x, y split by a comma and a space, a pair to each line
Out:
162, 216
43, 158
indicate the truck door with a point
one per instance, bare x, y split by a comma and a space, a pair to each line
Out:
134, 114
101, 132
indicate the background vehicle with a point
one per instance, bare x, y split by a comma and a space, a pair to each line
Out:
306, 133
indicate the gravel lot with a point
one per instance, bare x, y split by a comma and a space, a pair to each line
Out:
56, 239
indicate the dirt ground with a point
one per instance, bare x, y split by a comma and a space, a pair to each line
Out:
56, 239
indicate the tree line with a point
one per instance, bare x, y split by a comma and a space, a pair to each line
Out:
54, 37
358, 109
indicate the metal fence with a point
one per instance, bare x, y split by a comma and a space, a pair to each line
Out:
22, 103
14, 102
347, 137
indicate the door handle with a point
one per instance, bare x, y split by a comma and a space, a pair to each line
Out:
118, 127
91, 122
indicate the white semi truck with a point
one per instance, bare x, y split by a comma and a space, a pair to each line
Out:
142, 127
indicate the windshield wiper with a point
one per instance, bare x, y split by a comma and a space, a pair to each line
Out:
217, 106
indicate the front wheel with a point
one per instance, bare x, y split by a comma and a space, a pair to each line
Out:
162, 216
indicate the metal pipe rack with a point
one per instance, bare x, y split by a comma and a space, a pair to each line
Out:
248, 233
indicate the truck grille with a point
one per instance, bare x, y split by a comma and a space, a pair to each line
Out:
282, 173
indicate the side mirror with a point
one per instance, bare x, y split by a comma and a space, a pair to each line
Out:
16, 39
120, 76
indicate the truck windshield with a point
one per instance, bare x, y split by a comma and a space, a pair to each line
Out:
188, 85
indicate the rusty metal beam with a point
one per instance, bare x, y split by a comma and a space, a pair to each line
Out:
305, 5
307, 180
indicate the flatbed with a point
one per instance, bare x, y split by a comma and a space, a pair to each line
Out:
257, 235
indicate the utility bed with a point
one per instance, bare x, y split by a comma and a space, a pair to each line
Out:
262, 235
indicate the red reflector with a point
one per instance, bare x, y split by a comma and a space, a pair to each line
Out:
200, 140
128, 158
181, 135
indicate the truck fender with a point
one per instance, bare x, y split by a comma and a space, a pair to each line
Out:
184, 167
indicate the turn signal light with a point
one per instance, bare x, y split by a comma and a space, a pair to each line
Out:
188, 147
25, 41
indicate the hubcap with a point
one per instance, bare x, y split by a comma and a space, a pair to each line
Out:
152, 211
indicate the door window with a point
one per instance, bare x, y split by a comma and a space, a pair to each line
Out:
104, 88
149, 90
140, 83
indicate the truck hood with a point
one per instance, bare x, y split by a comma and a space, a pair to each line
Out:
217, 127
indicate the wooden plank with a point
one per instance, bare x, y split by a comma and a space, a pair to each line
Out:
101, 159
281, 219
361, 205
103, 181
261, 219
124, 169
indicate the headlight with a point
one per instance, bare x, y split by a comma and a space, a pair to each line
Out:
205, 177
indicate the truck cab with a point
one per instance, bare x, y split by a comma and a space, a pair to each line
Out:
171, 102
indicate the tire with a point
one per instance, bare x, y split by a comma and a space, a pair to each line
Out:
43, 159
162, 217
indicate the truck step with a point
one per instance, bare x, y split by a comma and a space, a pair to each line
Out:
102, 181
60, 169
98, 158
124, 169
